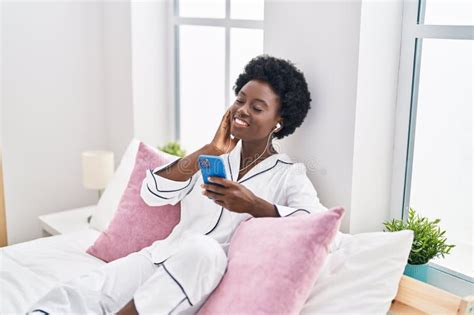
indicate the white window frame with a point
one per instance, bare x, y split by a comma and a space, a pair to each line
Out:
177, 21
407, 95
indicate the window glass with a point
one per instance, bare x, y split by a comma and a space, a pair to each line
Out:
201, 83
201, 8
449, 12
442, 182
246, 9
245, 44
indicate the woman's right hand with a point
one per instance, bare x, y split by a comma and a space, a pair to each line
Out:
222, 141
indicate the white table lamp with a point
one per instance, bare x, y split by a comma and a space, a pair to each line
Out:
97, 169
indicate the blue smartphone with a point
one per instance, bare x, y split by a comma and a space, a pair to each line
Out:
211, 165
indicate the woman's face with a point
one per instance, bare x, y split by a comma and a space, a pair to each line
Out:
255, 111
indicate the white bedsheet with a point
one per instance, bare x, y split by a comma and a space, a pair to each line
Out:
28, 270
365, 269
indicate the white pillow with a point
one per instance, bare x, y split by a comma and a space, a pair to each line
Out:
110, 199
361, 276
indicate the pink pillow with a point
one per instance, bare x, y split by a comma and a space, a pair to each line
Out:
135, 224
273, 264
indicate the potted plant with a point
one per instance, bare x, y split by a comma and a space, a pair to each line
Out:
428, 242
173, 148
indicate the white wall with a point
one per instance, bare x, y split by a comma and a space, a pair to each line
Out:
379, 52
1, 78
117, 52
68, 80
117, 69
53, 107
137, 73
152, 102
348, 51
322, 39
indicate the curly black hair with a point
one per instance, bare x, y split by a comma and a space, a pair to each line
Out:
287, 82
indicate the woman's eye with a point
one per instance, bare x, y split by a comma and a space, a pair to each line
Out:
239, 101
257, 109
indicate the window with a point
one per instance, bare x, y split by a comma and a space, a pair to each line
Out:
434, 135
214, 39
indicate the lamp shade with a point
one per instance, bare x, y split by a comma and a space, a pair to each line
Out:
97, 169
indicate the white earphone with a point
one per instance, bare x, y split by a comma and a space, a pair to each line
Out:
278, 127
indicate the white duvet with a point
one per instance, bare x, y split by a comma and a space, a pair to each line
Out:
364, 269
28, 270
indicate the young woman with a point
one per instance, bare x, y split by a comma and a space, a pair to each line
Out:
177, 274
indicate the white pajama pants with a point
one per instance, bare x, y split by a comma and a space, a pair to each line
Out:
179, 285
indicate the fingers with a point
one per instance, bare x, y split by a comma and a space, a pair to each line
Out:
221, 181
213, 188
220, 202
212, 195
215, 192
230, 115
224, 120
226, 116
229, 119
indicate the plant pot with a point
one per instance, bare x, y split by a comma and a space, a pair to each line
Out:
419, 272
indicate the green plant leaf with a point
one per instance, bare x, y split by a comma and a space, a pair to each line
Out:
428, 239
173, 148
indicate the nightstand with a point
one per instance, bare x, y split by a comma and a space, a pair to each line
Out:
66, 221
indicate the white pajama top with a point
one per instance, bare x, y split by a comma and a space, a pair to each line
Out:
276, 179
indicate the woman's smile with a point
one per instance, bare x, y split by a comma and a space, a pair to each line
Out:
239, 123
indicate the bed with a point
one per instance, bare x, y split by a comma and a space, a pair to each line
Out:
361, 275
28, 270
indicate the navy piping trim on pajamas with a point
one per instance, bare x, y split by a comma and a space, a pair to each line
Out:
265, 170
148, 187
297, 211
159, 263
40, 311
174, 308
218, 220
174, 190
177, 282
190, 191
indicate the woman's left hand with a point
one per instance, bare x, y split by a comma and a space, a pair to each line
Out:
232, 196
